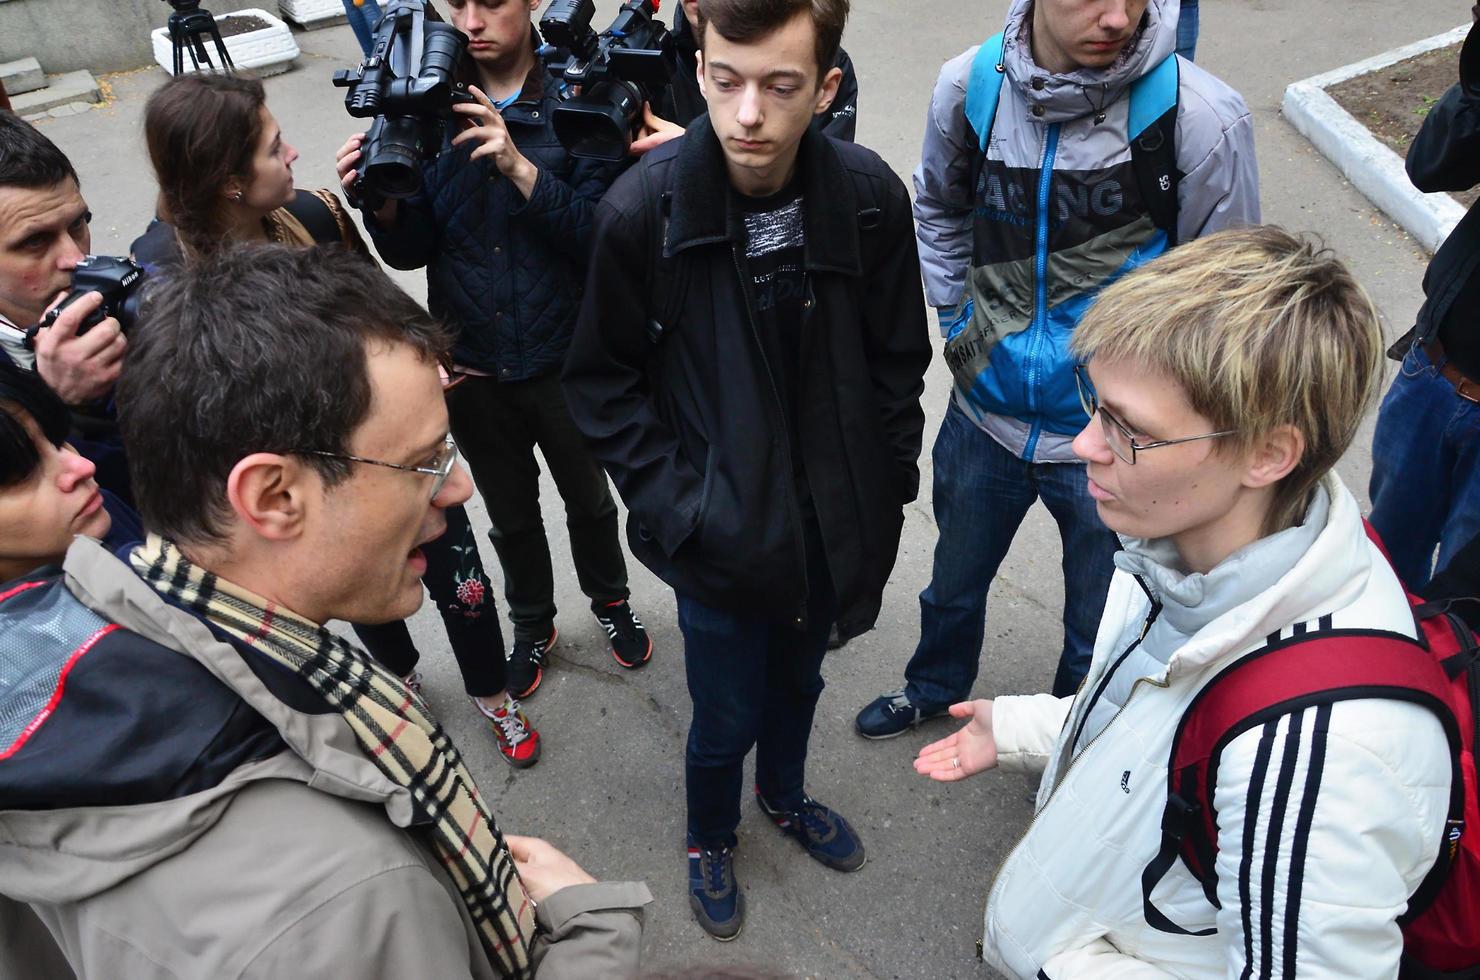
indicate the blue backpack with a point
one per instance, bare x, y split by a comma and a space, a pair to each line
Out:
1152, 129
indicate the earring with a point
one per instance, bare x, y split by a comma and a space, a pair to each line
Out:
236, 196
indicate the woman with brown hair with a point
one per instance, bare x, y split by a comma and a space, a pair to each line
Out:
226, 175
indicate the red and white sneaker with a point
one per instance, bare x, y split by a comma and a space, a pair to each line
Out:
518, 742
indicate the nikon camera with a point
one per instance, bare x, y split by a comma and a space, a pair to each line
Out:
118, 279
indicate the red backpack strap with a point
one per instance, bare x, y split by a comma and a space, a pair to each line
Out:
1286, 676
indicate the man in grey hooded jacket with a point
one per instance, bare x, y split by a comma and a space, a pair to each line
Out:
1049, 169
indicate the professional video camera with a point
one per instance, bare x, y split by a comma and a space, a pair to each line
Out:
618, 70
407, 85
118, 279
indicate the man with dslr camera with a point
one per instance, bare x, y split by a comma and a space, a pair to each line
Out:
44, 233
500, 224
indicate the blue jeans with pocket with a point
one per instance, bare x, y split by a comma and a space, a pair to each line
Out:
981, 494
754, 681
1187, 29
1425, 485
362, 20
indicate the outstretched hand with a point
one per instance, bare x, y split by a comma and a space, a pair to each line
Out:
971, 750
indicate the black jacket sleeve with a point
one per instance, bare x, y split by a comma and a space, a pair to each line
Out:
605, 383
560, 211
896, 336
1445, 155
1460, 579
840, 121
412, 241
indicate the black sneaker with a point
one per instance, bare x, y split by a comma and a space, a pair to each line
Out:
893, 714
714, 895
527, 664
630, 644
823, 834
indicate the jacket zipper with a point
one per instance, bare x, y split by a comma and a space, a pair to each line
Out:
791, 486
1040, 287
1069, 767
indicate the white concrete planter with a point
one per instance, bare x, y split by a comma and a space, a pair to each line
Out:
309, 14
1372, 168
266, 51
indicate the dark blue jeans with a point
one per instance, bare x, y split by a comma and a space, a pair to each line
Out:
1187, 29
982, 492
362, 21
754, 682
1425, 485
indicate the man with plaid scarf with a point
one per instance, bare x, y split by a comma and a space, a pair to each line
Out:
197, 777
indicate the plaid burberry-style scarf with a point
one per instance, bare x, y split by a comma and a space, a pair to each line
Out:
393, 727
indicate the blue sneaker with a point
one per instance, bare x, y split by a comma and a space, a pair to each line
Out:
893, 714
715, 897
823, 834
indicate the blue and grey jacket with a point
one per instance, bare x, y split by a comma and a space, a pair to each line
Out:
1016, 242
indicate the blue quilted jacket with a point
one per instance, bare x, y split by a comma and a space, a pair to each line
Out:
504, 272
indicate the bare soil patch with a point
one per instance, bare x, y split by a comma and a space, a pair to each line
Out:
232, 24
1394, 102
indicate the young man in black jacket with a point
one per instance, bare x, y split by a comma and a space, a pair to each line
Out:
683, 102
748, 364
501, 224
1425, 485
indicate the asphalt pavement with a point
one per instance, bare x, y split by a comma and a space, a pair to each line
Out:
609, 788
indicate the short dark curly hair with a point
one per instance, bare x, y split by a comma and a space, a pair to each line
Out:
257, 348
28, 158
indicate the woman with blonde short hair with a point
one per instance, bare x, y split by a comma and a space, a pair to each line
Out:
1223, 381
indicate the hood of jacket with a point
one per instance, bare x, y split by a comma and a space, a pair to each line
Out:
1085, 90
72, 853
1222, 616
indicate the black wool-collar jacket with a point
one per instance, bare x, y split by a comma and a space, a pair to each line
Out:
688, 422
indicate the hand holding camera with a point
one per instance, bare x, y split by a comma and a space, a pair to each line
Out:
486, 127
79, 343
77, 353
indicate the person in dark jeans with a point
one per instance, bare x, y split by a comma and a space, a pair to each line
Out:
501, 225
748, 366
1425, 485
1187, 29
362, 16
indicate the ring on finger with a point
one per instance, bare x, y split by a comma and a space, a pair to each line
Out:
955, 762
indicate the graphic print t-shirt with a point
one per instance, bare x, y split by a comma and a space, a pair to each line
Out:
774, 253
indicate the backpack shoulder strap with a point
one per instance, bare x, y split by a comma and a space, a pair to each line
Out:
1286, 676
983, 87
1152, 131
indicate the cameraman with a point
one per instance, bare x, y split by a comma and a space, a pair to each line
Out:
501, 224
43, 234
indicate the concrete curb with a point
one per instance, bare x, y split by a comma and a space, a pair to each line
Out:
1372, 168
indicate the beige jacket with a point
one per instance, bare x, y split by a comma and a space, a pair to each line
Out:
293, 866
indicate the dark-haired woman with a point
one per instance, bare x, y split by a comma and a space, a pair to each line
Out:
226, 175
47, 492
